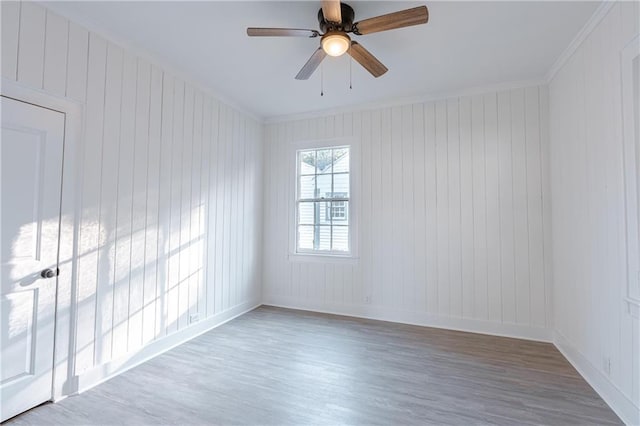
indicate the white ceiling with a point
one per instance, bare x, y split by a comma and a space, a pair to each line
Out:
464, 45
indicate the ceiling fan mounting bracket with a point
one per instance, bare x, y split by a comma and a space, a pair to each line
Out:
348, 16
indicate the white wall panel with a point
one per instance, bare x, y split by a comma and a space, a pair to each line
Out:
55, 54
453, 208
89, 217
10, 34
588, 214
478, 197
164, 205
521, 220
77, 51
451, 214
124, 213
505, 189
431, 173
466, 206
31, 44
492, 197
152, 202
108, 197
150, 290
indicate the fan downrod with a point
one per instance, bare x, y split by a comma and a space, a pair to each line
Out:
347, 20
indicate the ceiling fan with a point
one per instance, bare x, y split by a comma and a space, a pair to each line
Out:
336, 21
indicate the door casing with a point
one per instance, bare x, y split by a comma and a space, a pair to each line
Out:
64, 378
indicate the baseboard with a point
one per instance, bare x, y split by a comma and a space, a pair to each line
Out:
104, 372
619, 403
518, 331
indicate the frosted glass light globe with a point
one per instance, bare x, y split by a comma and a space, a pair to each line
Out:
335, 44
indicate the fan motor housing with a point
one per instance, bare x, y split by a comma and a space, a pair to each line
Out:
347, 20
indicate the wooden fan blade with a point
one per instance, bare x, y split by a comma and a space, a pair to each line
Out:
311, 64
281, 32
331, 11
366, 59
391, 21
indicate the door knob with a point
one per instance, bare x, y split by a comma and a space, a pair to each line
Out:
49, 273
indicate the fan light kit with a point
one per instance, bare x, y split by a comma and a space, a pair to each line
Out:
336, 43
336, 21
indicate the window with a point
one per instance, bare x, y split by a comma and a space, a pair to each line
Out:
338, 209
322, 201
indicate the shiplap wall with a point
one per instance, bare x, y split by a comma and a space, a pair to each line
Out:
588, 207
169, 214
452, 216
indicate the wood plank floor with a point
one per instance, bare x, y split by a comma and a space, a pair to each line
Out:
279, 366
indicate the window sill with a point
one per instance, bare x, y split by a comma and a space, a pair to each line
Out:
323, 258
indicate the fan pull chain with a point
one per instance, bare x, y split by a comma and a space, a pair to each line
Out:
321, 79
350, 64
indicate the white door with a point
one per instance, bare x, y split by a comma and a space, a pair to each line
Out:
31, 173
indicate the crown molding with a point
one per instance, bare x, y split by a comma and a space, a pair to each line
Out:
407, 100
602, 10
599, 14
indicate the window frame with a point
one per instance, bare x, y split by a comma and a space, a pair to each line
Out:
306, 255
338, 203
